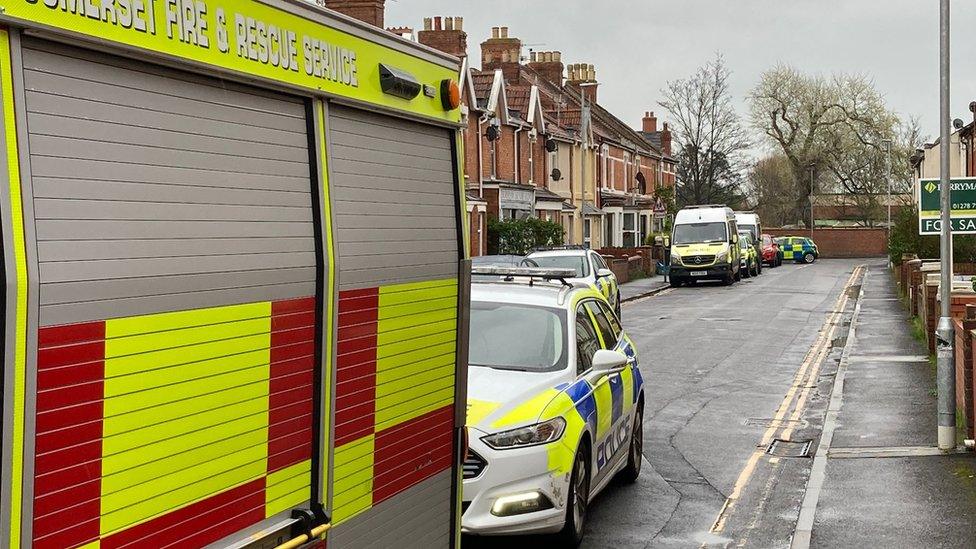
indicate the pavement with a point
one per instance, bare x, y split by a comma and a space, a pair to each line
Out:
643, 287
888, 408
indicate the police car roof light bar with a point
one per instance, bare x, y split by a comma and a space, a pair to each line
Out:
510, 273
557, 248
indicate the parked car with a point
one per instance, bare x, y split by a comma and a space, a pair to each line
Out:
799, 249
555, 404
749, 263
590, 268
497, 260
771, 254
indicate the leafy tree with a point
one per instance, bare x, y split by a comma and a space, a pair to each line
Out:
710, 137
518, 236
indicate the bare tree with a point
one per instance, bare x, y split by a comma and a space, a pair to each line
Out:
833, 128
710, 137
772, 187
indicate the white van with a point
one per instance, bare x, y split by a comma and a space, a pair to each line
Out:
749, 221
704, 245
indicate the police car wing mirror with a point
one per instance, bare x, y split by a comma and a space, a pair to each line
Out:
608, 362
604, 273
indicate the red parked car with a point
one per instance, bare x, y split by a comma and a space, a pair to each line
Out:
771, 254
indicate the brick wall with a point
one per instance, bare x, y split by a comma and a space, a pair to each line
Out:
472, 141
851, 242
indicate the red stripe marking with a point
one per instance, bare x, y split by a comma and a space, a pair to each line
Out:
294, 335
70, 334
292, 366
345, 361
352, 318
292, 374
81, 353
68, 515
283, 387
293, 410
68, 443
55, 439
67, 477
289, 306
73, 395
288, 322
353, 389
411, 452
52, 378
73, 536
290, 456
349, 295
45, 505
288, 352
188, 525
55, 460
353, 427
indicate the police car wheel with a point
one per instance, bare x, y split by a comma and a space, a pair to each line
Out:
577, 501
635, 456
809, 257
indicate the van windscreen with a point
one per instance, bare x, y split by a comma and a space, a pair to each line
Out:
691, 233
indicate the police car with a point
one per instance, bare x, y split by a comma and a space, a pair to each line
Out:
589, 266
555, 403
799, 249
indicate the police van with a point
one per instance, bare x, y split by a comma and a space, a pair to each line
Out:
704, 245
233, 257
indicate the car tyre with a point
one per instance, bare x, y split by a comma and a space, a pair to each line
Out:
755, 269
729, 279
809, 257
635, 455
577, 501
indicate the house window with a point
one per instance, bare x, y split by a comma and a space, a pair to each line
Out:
587, 239
604, 171
608, 231
630, 230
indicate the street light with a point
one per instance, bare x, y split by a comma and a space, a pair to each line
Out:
887, 147
813, 173
945, 368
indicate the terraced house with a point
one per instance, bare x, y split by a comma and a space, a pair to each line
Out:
538, 143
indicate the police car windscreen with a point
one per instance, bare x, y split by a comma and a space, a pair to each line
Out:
691, 233
576, 262
517, 337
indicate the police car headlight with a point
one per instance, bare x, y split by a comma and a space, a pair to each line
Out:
724, 256
533, 435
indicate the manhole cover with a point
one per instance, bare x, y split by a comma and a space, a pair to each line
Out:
789, 448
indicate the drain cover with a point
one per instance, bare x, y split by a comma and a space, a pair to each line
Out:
789, 448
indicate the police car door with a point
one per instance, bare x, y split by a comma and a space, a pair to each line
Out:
613, 425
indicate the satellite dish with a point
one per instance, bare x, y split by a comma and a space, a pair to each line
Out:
492, 133
550, 145
557, 175
958, 124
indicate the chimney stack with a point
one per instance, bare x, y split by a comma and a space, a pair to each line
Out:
502, 52
369, 11
650, 122
583, 73
445, 34
549, 65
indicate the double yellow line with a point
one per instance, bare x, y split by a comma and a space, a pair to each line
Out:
793, 403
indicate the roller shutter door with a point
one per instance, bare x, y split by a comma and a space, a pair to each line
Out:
394, 196
176, 328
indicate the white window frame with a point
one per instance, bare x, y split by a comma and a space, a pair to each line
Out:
624, 231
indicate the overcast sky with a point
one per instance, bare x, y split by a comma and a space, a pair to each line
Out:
637, 45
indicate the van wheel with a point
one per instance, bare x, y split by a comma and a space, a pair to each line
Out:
674, 282
729, 279
577, 501
809, 257
635, 456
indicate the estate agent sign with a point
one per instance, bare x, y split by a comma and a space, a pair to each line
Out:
963, 211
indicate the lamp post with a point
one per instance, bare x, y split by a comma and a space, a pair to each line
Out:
813, 173
945, 370
887, 147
